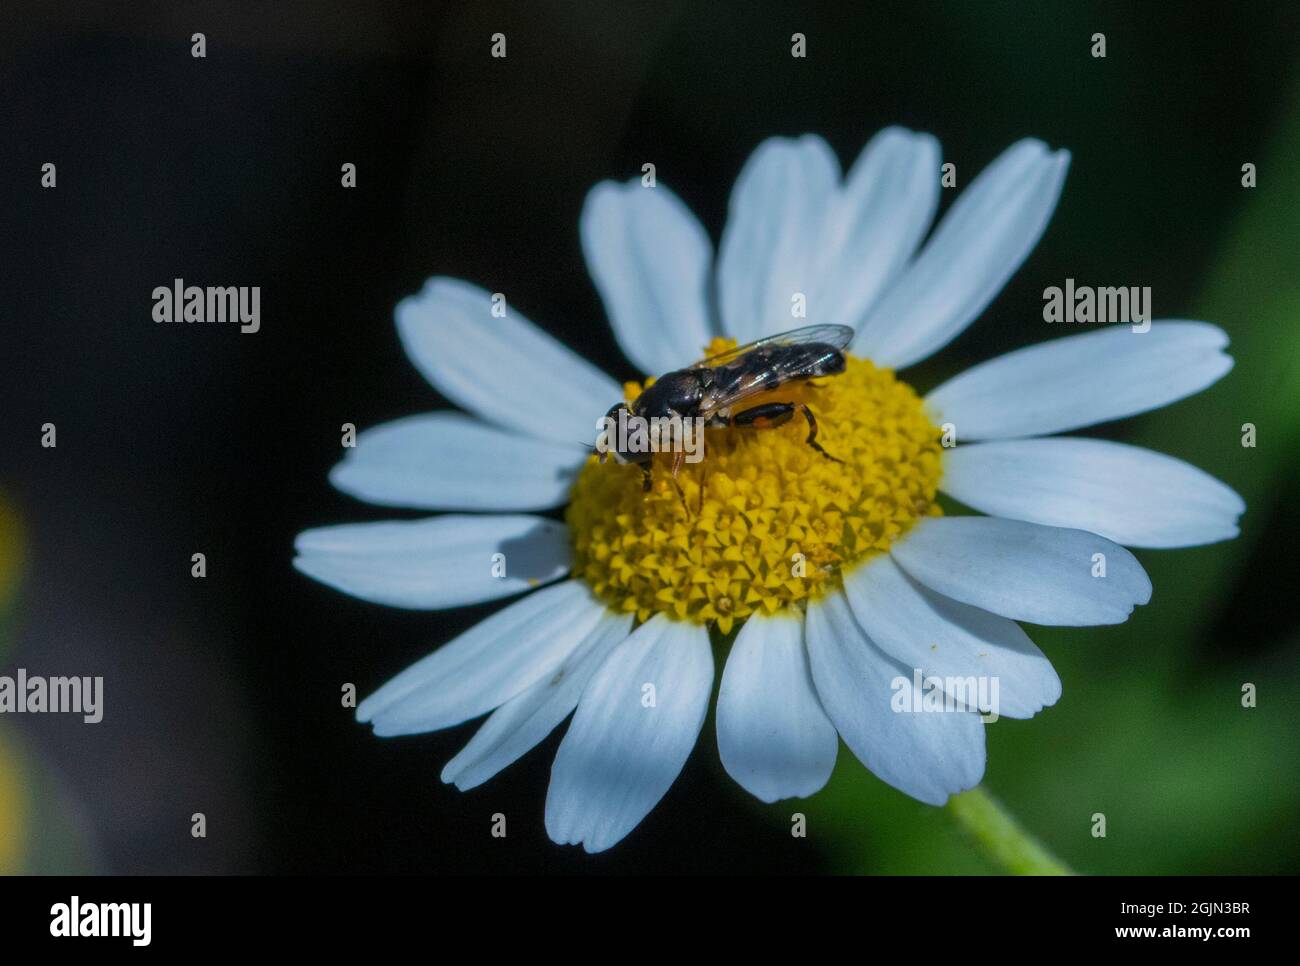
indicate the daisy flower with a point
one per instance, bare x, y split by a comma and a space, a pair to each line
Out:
833, 582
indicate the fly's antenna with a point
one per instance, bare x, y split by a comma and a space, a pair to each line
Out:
587, 448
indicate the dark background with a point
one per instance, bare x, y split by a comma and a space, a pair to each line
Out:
222, 695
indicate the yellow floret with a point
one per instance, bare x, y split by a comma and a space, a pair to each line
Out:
778, 522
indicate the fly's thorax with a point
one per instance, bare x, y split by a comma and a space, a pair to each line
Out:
677, 393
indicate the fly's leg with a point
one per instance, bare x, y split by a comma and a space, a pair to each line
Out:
764, 416
770, 415
812, 434
681, 495
678, 459
647, 481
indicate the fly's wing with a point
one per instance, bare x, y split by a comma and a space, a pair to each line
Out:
838, 336
767, 364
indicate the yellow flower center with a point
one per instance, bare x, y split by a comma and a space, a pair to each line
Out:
763, 521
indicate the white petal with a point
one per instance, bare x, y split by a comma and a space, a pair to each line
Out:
768, 248
450, 461
990, 229
928, 755
514, 728
1081, 380
506, 370
873, 227
1025, 571
650, 258
1131, 495
487, 665
443, 561
619, 756
951, 640
773, 736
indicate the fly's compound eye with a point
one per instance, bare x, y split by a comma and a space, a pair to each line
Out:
618, 437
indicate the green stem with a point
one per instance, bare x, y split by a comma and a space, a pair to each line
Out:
999, 836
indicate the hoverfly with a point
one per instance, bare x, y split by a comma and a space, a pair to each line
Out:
716, 388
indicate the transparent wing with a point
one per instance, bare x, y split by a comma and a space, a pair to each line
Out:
768, 364
838, 336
